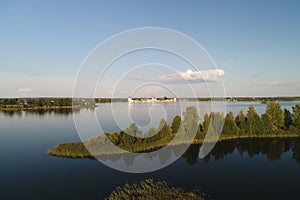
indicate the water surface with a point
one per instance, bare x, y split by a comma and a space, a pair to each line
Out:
241, 169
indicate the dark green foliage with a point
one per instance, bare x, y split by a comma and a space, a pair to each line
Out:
240, 121
276, 114
288, 119
42, 102
206, 123
253, 123
296, 116
175, 124
164, 130
230, 127
130, 135
266, 124
114, 138
149, 189
200, 133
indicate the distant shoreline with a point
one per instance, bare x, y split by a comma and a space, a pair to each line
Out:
17, 104
44, 108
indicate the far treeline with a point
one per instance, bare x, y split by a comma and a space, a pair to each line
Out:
35, 103
275, 122
243, 99
21, 103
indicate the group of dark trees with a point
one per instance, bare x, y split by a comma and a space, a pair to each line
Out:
275, 120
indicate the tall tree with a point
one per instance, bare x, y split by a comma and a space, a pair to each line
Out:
296, 116
240, 121
266, 124
253, 123
191, 120
164, 130
175, 124
276, 114
206, 122
230, 127
288, 119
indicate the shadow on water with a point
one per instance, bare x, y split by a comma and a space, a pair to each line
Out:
55, 111
271, 148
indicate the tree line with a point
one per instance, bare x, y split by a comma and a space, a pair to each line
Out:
275, 120
43, 102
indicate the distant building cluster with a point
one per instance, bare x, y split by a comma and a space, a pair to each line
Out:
164, 99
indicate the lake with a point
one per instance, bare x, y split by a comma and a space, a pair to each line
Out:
240, 169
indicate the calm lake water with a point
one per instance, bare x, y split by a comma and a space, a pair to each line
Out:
240, 169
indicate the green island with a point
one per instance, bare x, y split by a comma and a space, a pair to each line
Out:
150, 189
274, 123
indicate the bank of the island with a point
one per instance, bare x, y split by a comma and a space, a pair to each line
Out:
274, 123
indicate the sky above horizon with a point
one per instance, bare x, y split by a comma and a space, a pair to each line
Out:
254, 44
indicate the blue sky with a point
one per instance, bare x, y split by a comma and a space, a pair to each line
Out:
43, 43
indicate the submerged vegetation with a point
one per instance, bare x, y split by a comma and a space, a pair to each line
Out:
275, 122
149, 189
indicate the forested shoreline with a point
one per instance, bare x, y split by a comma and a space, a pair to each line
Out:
68, 102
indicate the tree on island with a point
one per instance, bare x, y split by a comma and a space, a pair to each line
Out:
296, 116
253, 123
175, 124
276, 114
230, 127
288, 119
240, 121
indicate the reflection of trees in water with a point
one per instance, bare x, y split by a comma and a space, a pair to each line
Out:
192, 153
272, 148
12, 113
296, 151
56, 111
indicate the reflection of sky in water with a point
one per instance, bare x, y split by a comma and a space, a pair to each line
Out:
27, 172
118, 116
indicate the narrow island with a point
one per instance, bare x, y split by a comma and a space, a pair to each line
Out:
151, 189
274, 123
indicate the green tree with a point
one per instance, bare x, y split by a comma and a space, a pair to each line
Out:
240, 121
206, 122
150, 135
288, 119
191, 120
217, 123
276, 114
175, 124
230, 127
164, 130
296, 116
131, 134
266, 124
253, 123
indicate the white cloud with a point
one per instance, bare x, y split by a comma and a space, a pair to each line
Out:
193, 76
25, 90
